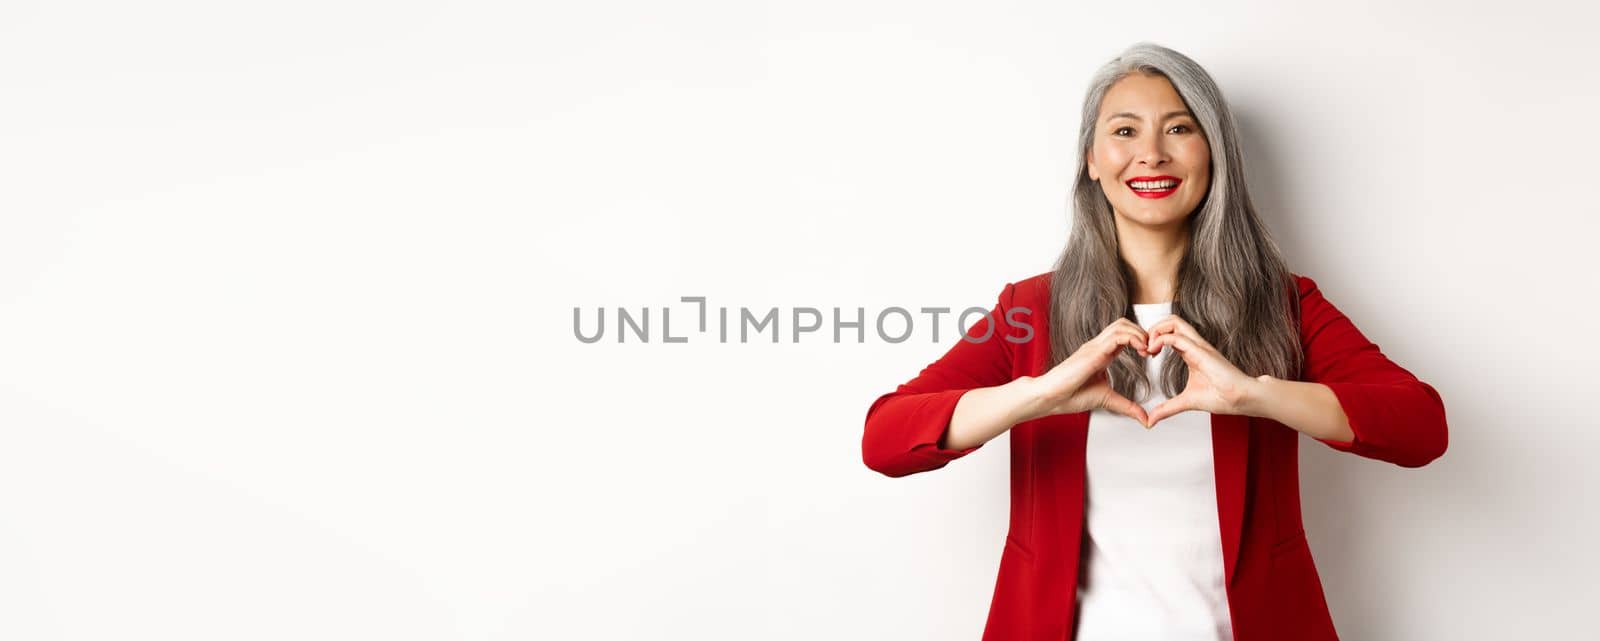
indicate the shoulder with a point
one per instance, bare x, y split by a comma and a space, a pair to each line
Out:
1032, 291
1304, 284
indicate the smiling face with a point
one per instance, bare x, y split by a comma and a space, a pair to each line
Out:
1149, 155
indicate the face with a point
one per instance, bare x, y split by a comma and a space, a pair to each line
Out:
1144, 140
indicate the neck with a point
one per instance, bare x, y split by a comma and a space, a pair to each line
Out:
1153, 255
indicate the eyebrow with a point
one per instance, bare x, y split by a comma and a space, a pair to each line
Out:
1169, 115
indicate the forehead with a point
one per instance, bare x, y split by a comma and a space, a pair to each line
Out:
1144, 95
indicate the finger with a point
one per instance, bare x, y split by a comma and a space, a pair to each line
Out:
1190, 352
1125, 326
1162, 327
1093, 356
1140, 342
1175, 324
1168, 325
1126, 322
1113, 343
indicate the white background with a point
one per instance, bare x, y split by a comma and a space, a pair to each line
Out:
286, 294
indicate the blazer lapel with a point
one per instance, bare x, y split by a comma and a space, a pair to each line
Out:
1060, 465
1230, 447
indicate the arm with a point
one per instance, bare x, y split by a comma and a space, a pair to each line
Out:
906, 430
987, 412
1310, 408
1390, 415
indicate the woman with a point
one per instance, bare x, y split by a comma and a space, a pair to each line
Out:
1176, 516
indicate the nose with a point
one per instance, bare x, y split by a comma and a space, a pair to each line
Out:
1152, 153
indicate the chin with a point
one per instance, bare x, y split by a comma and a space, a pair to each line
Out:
1157, 218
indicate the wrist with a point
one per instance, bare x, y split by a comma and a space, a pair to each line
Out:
1254, 401
1029, 398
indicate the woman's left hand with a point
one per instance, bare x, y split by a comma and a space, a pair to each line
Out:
1215, 385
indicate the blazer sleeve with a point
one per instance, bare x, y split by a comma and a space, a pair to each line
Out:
905, 428
1395, 417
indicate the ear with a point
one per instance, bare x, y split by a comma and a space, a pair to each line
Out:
1089, 162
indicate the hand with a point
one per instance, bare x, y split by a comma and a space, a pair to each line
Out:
1079, 383
1215, 385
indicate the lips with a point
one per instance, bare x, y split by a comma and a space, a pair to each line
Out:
1154, 186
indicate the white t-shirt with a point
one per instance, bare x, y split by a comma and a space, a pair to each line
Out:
1153, 548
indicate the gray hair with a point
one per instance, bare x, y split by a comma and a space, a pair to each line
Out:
1232, 285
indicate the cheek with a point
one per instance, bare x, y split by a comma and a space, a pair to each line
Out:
1109, 158
1198, 156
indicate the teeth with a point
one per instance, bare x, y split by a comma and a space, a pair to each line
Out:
1154, 185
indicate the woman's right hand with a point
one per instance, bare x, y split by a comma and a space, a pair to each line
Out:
1079, 383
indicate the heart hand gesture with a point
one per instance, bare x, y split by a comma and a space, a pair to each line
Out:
1079, 383
1215, 384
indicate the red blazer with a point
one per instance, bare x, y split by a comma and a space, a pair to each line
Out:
1274, 593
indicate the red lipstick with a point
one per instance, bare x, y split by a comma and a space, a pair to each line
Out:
1154, 193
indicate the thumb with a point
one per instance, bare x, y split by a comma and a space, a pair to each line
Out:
1179, 403
1120, 404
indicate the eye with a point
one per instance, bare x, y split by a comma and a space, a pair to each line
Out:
1185, 128
1118, 131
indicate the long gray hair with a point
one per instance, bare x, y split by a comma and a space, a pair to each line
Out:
1232, 284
